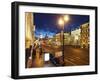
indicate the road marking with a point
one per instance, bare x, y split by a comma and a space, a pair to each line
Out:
78, 58
70, 62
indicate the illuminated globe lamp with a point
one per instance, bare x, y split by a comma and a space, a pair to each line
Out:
61, 22
66, 18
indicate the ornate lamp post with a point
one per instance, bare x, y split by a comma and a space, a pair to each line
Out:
64, 19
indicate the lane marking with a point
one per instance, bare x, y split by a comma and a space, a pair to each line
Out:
70, 62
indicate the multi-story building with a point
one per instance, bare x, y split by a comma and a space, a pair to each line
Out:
75, 37
59, 38
84, 35
29, 36
67, 39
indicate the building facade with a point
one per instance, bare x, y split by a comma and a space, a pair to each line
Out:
29, 36
78, 37
59, 38
84, 35
75, 37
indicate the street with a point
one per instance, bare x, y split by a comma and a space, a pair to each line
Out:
76, 56
72, 56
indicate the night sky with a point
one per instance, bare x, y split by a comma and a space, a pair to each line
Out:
47, 24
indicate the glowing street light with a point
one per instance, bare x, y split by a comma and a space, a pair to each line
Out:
61, 22
64, 19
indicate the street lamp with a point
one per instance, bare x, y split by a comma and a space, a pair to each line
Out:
61, 22
64, 19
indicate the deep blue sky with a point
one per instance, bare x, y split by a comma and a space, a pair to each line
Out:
48, 23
